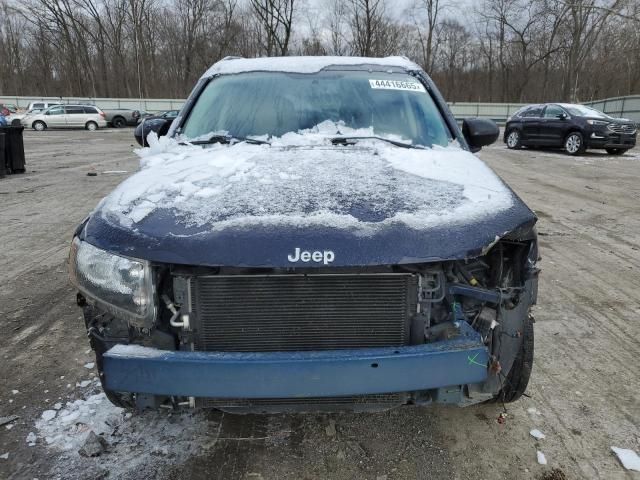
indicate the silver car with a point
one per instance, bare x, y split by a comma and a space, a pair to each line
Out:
66, 116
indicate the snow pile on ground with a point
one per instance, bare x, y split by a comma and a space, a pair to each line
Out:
302, 180
629, 459
130, 437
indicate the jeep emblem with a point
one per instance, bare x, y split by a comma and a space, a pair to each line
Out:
325, 256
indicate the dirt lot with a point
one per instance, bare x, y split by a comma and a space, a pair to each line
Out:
583, 394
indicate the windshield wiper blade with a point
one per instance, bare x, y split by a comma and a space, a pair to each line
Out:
229, 139
346, 140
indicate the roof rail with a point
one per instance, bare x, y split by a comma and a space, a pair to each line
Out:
231, 57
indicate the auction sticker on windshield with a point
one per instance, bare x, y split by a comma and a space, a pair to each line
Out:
397, 85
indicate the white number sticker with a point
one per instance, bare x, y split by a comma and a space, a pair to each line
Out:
397, 85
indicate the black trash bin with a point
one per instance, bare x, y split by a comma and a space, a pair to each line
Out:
3, 162
13, 149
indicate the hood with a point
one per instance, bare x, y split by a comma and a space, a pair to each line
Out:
257, 205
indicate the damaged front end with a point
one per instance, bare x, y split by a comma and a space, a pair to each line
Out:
324, 338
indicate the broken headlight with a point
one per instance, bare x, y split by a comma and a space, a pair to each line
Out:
120, 285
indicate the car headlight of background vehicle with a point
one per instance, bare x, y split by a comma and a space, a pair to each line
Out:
600, 123
122, 286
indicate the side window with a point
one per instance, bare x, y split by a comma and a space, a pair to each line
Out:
553, 111
55, 111
532, 112
38, 106
90, 110
74, 110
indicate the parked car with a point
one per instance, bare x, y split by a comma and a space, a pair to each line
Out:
121, 117
573, 127
40, 106
324, 240
158, 123
66, 116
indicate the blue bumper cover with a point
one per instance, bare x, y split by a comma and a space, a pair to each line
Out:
132, 368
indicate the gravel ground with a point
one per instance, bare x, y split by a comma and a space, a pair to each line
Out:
583, 395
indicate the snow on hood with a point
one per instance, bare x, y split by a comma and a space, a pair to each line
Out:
302, 64
302, 180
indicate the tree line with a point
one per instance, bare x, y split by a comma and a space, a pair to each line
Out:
487, 50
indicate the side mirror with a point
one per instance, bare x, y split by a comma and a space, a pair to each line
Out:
479, 132
562, 116
158, 125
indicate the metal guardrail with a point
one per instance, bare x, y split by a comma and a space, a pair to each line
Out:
628, 107
624, 107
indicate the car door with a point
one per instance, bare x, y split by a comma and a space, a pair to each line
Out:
74, 116
552, 125
54, 117
531, 124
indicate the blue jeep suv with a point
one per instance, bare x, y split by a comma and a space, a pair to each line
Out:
310, 233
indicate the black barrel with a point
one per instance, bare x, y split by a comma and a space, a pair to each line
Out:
3, 161
14, 149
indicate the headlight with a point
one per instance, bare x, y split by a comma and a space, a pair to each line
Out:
597, 122
121, 285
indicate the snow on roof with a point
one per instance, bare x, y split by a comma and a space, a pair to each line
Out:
302, 64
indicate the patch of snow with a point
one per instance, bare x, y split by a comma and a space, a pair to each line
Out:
31, 439
9, 427
131, 437
5, 456
535, 433
83, 383
48, 415
629, 458
57, 406
15, 392
542, 460
135, 351
89, 365
533, 411
302, 180
302, 64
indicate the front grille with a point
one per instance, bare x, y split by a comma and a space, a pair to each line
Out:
266, 313
627, 128
381, 400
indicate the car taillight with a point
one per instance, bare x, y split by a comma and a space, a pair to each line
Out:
102, 114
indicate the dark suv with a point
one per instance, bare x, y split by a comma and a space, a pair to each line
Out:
573, 127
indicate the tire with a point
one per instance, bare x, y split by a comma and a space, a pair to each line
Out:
91, 126
39, 125
616, 151
514, 140
574, 144
119, 122
517, 380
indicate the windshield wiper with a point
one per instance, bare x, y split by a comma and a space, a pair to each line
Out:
352, 141
230, 139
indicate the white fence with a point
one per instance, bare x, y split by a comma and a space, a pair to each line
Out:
628, 107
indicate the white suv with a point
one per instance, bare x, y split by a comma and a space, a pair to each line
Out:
66, 116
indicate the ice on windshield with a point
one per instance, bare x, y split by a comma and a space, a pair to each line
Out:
302, 180
275, 103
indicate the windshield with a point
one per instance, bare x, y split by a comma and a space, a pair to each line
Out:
582, 111
274, 103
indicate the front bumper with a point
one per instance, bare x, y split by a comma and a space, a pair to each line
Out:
611, 140
458, 361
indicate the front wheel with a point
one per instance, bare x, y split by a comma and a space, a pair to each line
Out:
616, 151
39, 126
91, 126
513, 139
515, 383
574, 144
